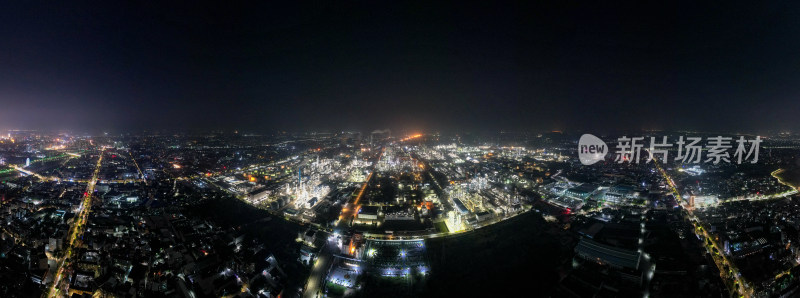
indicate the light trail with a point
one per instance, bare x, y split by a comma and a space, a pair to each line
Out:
141, 175
719, 258
349, 212
77, 228
363, 188
780, 195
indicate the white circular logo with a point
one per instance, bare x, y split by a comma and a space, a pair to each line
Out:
591, 149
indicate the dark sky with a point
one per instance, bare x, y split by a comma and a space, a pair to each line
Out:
122, 65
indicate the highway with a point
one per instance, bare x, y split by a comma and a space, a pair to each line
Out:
77, 229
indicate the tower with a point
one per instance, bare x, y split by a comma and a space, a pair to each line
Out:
299, 180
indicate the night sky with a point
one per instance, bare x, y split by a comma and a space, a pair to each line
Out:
459, 66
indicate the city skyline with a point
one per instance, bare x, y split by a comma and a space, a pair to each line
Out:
385, 213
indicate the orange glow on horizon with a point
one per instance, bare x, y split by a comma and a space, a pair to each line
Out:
416, 136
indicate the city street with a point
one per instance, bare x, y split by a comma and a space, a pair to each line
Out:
77, 229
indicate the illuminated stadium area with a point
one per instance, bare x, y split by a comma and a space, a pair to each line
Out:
396, 257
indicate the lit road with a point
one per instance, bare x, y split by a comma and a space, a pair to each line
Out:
54, 178
350, 210
29, 173
316, 279
719, 256
762, 197
76, 231
141, 175
794, 187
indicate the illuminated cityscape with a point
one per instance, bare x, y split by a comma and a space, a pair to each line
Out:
351, 214
399, 149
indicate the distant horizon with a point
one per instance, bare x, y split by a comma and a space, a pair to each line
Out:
393, 133
528, 66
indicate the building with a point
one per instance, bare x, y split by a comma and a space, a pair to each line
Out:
613, 256
627, 264
582, 191
368, 215
483, 216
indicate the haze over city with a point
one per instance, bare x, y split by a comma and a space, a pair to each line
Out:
399, 149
